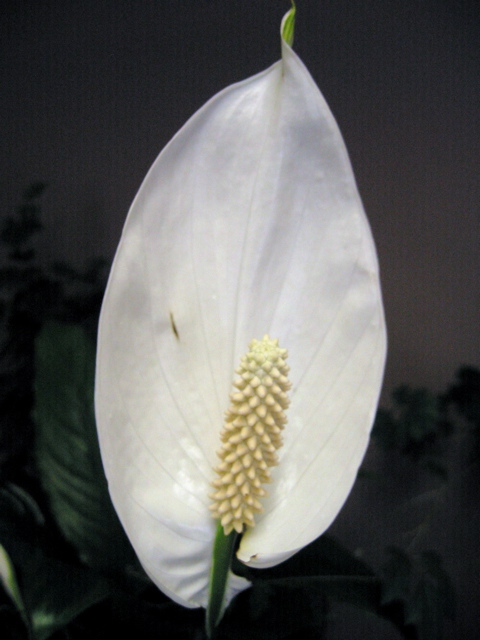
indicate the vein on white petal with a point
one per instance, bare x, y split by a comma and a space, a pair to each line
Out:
258, 271
166, 425
333, 430
246, 235
177, 527
349, 285
270, 506
340, 302
193, 253
331, 326
346, 360
182, 573
341, 420
369, 313
173, 395
290, 246
285, 535
275, 307
198, 508
309, 420
356, 450
122, 410
292, 255
325, 391
309, 518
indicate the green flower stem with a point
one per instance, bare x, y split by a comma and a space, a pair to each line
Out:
223, 548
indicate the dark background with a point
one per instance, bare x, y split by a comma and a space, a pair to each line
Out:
91, 91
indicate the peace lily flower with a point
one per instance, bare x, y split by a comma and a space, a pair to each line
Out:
248, 223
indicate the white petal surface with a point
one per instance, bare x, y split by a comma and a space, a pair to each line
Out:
249, 222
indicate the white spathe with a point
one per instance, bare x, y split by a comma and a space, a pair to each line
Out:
249, 222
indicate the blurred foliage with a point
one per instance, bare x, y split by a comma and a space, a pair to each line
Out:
67, 570
417, 426
419, 422
423, 587
464, 396
31, 294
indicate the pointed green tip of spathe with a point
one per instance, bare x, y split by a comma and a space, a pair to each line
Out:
287, 29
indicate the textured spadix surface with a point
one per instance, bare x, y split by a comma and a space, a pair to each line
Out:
249, 222
251, 435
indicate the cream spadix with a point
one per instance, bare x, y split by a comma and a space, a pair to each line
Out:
249, 222
251, 435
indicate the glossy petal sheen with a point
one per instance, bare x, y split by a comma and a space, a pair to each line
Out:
249, 222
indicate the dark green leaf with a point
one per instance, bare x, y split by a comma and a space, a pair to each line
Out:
67, 448
56, 592
51, 590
